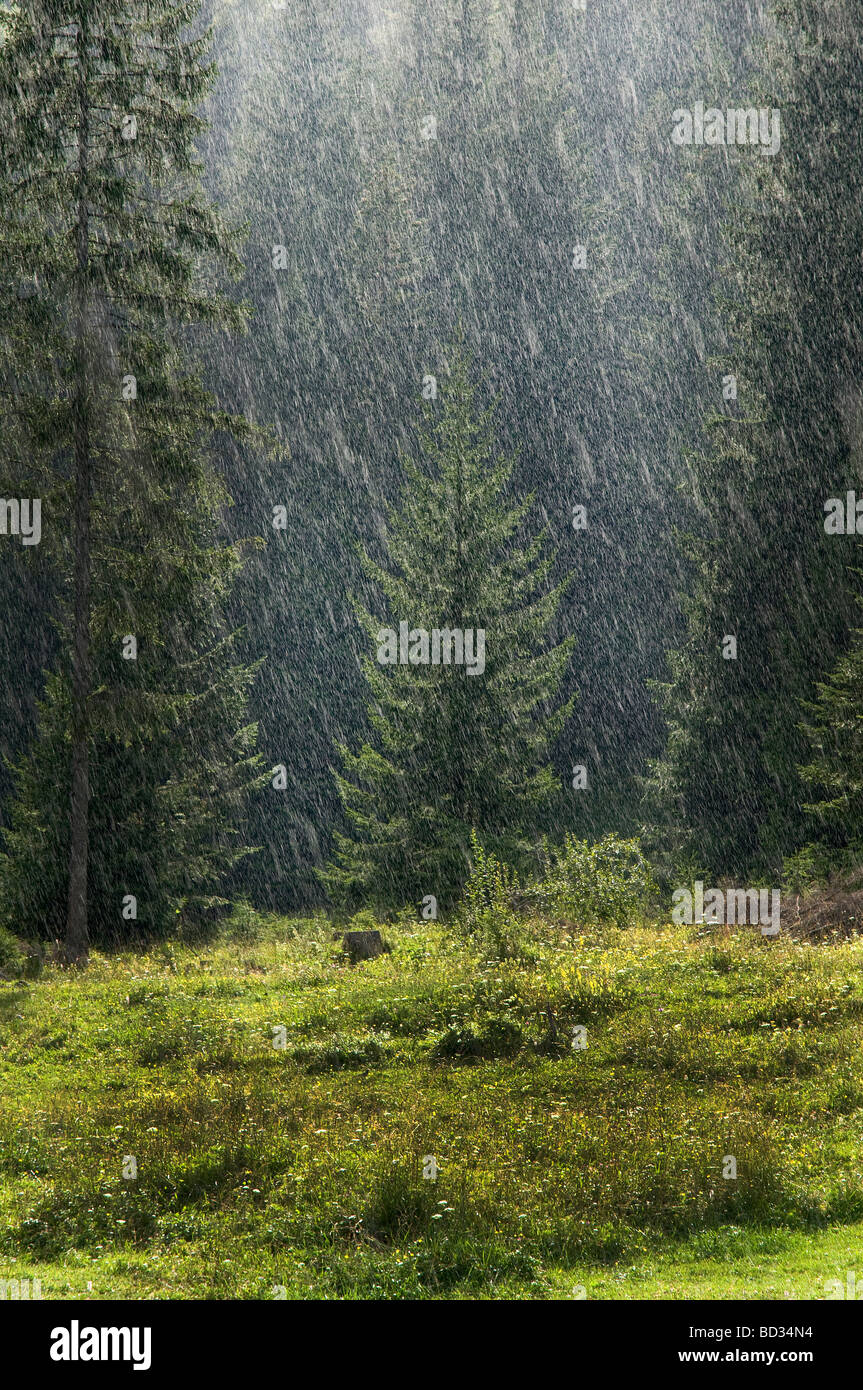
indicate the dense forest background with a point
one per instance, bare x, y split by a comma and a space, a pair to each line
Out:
410, 184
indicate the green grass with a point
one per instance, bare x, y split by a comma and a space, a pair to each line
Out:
299, 1169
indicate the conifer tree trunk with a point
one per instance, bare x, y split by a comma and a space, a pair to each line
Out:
76, 944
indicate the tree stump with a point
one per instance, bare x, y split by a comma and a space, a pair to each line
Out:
362, 945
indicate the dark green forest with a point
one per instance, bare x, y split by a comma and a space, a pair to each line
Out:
431, 647
320, 322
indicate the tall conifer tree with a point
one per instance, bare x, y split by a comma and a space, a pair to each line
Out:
453, 749
767, 571
111, 254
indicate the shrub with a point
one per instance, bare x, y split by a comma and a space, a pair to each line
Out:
340, 1053
400, 1207
803, 870
245, 922
486, 911
499, 1038
11, 955
608, 882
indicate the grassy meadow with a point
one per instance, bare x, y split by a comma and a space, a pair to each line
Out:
280, 1108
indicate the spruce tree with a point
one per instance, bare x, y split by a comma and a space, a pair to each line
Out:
834, 774
112, 258
593, 367
766, 571
452, 750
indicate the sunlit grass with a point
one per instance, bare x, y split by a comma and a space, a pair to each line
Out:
299, 1168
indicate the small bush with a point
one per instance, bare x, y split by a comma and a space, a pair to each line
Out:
723, 962
486, 912
803, 870
501, 1037
458, 1042
245, 922
363, 921
400, 1207
340, 1053
594, 884
11, 955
